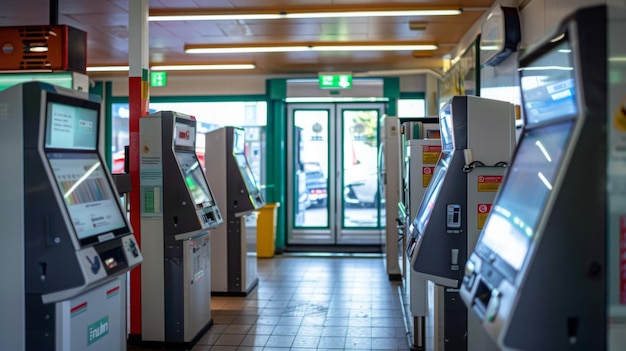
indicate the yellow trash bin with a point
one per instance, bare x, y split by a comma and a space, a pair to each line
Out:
266, 230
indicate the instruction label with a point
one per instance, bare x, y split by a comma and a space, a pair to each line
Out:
622, 260
430, 154
483, 213
489, 184
427, 175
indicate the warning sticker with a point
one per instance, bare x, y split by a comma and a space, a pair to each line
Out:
489, 184
430, 154
483, 212
427, 175
622, 260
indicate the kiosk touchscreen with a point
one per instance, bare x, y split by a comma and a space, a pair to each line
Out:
178, 209
477, 140
65, 262
546, 270
233, 258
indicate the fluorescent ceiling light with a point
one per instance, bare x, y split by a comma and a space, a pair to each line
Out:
202, 67
209, 49
173, 15
175, 67
107, 68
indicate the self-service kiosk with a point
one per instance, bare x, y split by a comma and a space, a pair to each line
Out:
420, 159
389, 166
66, 241
549, 269
177, 211
233, 258
477, 138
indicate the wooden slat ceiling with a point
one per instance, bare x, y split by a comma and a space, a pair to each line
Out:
106, 24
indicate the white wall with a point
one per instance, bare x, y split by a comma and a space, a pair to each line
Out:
540, 16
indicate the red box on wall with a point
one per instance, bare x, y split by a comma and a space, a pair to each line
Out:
53, 48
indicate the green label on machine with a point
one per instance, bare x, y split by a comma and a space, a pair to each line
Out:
97, 330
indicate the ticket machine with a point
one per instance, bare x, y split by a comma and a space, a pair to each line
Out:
549, 269
420, 159
233, 258
178, 210
389, 173
66, 241
477, 139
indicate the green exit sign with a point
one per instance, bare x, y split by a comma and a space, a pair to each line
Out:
158, 79
335, 80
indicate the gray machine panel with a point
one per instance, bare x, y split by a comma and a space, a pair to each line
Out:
71, 248
441, 233
560, 284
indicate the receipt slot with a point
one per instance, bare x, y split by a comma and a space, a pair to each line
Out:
178, 210
67, 245
549, 269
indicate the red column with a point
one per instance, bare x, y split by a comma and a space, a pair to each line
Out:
138, 92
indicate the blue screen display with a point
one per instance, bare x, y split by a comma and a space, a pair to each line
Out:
516, 213
548, 85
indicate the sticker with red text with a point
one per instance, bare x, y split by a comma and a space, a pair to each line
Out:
427, 175
489, 184
483, 212
430, 154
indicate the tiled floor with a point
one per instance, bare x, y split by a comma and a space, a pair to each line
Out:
311, 303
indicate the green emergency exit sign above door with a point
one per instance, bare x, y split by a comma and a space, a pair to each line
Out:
158, 79
335, 80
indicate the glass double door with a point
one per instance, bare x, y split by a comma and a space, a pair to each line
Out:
333, 183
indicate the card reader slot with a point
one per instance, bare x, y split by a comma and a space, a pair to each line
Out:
482, 297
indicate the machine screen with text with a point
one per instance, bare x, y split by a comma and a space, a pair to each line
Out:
88, 196
516, 213
548, 85
194, 178
71, 127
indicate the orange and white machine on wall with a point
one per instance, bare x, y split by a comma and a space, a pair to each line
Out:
43, 48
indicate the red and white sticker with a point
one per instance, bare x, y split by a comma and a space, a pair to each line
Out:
427, 175
489, 183
483, 213
622, 260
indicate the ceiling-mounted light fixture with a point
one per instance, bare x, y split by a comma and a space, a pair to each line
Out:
389, 11
229, 66
299, 47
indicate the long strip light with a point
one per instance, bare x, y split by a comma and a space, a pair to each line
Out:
173, 15
176, 67
211, 49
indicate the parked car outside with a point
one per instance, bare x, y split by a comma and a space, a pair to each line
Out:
316, 184
361, 189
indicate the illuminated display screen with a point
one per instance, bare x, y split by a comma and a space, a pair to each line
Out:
71, 127
194, 178
432, 192
447, 134
246, 173
238, 141
184, 133
548, 85
517, 211
88, 196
